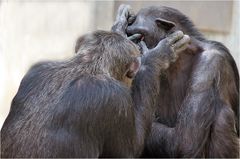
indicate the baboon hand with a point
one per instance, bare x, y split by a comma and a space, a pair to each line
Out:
125, 16
168, 49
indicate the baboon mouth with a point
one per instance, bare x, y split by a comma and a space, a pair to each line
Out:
137, 38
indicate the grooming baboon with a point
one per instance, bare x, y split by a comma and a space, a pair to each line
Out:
83, 107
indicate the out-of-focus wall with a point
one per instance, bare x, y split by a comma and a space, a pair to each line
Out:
230, 39
32, 31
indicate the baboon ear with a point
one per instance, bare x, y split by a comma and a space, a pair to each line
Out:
165, 24
134, 67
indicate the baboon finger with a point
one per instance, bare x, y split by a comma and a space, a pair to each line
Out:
143, 47
179, 44
123, 12
134, 37
172, 38
131, 19
131, 16
182, 48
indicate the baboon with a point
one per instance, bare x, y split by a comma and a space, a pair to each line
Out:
198, 105
84, 106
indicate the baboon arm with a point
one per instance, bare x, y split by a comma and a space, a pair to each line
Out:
200, 109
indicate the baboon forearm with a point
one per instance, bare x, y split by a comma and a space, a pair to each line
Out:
145, 91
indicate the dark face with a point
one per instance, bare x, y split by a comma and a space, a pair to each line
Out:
150, 26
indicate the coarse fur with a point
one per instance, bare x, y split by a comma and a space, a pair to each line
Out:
198, 105
62, 109
83, 107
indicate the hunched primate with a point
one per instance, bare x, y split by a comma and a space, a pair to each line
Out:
84, 106
198, 104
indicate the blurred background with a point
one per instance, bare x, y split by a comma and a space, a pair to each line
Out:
32, 31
